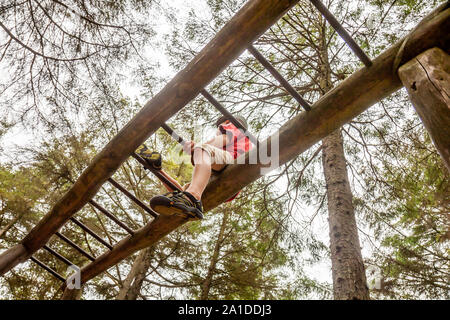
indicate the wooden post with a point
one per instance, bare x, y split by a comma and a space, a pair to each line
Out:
427, 80
351, 97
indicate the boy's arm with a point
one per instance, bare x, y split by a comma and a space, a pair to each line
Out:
219, 141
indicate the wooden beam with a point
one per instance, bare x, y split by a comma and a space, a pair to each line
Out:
111, 216
12, 257
351, 97
254, 18
427, 80
48, 269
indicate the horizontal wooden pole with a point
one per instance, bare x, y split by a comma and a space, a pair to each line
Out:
130, 196
111, 216
57, 255
254, 18
12, 257
274, 72
90, 232
340, 105
351, 97
74, 245
342, 32
47, 268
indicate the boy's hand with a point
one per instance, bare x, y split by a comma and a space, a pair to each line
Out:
188, 147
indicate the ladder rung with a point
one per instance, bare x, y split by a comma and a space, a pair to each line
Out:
226, 113
44, 266
73, 245
342, 32
92, 233
266, 64
129, 195
56, 254
156, 173
173, 134
111, 216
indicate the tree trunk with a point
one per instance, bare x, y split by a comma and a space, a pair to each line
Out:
133, 283
349, 278
206, 285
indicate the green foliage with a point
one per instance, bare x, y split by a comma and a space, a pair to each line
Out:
420, 195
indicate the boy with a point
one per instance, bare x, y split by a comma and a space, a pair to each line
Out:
214, 155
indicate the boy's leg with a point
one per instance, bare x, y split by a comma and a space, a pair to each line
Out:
205, 158
201, 174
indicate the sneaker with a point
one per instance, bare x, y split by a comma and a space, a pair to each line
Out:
152, 158
177, 202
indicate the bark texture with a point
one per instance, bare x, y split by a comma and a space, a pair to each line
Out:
349, 278
427, 80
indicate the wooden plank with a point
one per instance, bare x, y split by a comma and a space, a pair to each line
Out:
427, 80
340, 105
73, 245
57, 255
254, 18
92, 233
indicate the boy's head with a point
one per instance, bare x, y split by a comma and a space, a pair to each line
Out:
225, 119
